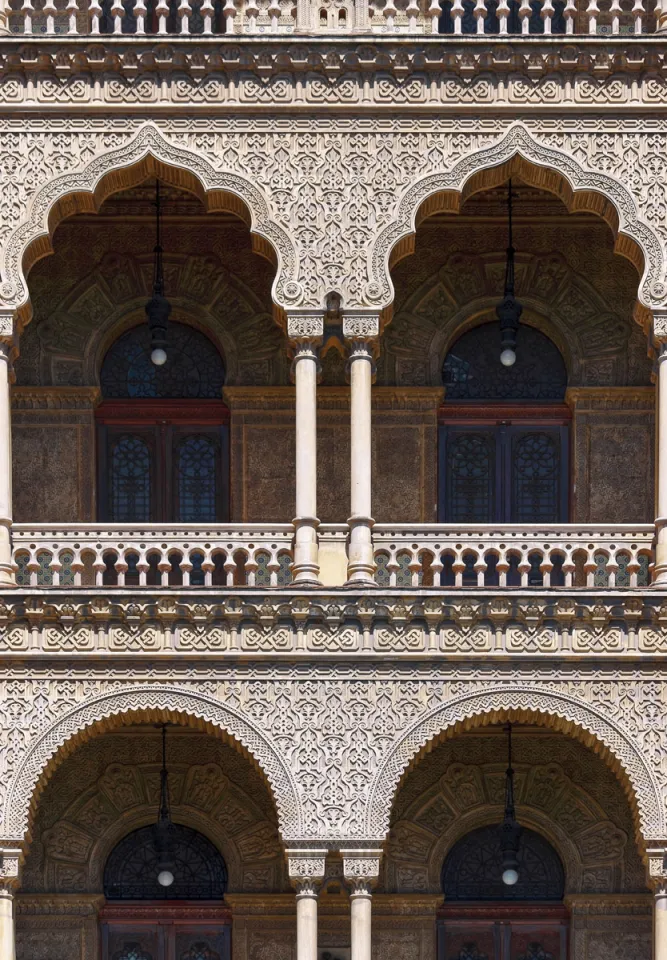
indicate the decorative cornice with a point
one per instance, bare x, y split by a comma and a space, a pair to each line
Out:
581, 71
55, 398
581, 399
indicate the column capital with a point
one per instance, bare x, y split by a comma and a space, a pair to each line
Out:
361, 325
11, 859
306, 870
660, 326
305, 325
361, 869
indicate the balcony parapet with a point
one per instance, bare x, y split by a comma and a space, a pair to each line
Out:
334, 625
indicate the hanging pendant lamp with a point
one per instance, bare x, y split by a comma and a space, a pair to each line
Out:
158, 307
164, 841
510, 831
509, 309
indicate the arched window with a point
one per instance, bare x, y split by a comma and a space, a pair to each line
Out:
504, 431
474, 866
483, 919
145, 921
131, 870
163, 431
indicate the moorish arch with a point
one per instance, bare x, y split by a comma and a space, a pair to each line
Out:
155, 704
147, 154
593, 725
519, 153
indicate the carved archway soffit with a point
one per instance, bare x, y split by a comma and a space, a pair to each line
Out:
148, 153
555, 710
519, 153
122, 707
336, 206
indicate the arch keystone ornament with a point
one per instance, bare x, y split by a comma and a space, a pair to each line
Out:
584, 721
147, 153
519, 152
124, 706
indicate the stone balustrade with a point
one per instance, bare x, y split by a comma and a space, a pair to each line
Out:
398, 17
170, 555
519, 556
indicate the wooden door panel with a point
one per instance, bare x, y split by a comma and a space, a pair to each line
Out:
130, 942
201, 943
535, 941
469, 941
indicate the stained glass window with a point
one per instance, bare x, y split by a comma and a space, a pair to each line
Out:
130, 480
194, 368
473, 371
535, 478
474, 866
200, 872
197, 470
132, 951
470, 487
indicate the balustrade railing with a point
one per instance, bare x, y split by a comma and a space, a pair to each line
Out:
133, 555
216, 17
513, 556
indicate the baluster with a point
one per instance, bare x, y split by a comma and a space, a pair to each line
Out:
390, 12
274, 13
251, 566
230, 569
503, 11
229, 11
164, 566
479, 567
524, 570
437, 566
208, 566
615, 10
73, 10
633, 570
32, 568
592, 12
415, 567
162, 10
252, 12
186, 570
28, 11
457, 17
143, 566
392, 568
502, 567
207, 11
117, 12
273, 566
94, 12
121, 566
546, 566
78, 567
434, 12
412, 12
185, 12
547, 14
458, 568
50, 11
479, 14
570, 13
525, 13
56, 569
140, 11
638, 12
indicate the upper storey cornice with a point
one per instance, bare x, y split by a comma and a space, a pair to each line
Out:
129, 71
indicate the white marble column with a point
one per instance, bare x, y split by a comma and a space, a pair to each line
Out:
660, 924
306, 872
361, 869
10, 860
361, 332
7, 577
660, 574
305, 333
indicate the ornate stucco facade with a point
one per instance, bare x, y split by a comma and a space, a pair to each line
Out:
335, 663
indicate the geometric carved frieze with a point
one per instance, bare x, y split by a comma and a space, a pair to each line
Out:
334, 750
345, 247
403, 625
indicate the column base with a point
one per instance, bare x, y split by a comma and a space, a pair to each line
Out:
361, 559
306, 566
660, 568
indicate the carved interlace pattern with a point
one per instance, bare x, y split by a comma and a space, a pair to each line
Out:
332, 204
334, 747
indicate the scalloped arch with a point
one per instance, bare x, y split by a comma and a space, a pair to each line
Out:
147, 153
518, 153
527, 705
152, 703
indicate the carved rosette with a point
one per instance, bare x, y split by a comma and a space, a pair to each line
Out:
306, 870
361, 869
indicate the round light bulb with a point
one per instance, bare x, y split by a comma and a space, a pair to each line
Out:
507, 357
165, 878
158, 356
510, 877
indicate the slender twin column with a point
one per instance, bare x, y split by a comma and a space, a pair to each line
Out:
361, 869
306, 872
361, 332
7, 577
660, 575
660, 923
10, 860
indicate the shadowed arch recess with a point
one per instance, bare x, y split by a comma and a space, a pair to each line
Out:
518, 154
530, 705
147, 704
148, 154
